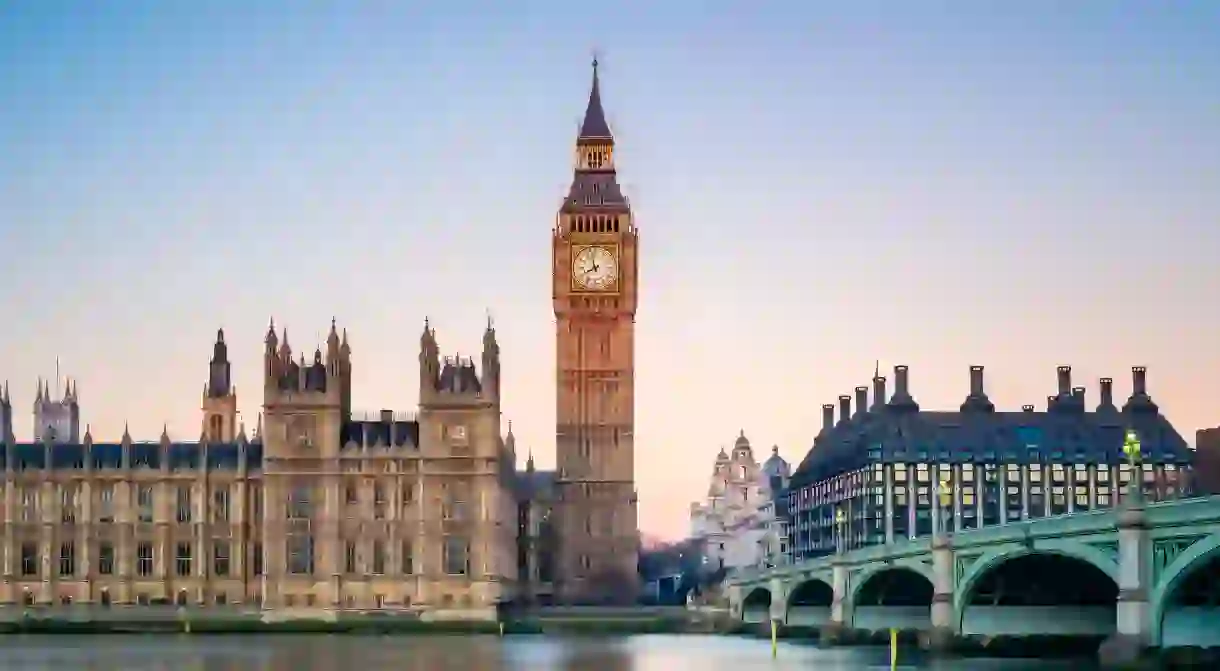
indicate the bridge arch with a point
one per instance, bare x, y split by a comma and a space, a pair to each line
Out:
809, 603
1064, 590
756, 606
1197, 572
896, 596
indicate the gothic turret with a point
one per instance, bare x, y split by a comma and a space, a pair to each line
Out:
6, 415
491, 362
56, 420
219, 405
457, 378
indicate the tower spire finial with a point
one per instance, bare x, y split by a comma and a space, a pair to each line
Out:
594, 127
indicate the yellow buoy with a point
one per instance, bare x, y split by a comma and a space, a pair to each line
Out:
774, 639
893, 649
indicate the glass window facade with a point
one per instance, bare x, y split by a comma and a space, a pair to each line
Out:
886, 477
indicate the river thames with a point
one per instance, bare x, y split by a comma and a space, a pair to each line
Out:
303, 652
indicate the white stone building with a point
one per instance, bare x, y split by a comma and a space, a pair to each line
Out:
738, 526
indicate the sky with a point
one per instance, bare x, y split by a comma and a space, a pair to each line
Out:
819, 186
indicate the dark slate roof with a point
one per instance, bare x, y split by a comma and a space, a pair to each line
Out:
104, 456
1060, 435
595, 190
386, 433
594, 128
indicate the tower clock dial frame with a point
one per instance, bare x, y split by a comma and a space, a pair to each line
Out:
595, 267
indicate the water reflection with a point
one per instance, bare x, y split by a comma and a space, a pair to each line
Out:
457, 653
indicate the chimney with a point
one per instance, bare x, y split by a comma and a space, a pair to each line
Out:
900, 382
1050, 402
387, 416
878, 391
976, 381
1078, 397
828, 416
844, 408
1027, 408
1107, 392
1065, 381
861, 400
1139, 381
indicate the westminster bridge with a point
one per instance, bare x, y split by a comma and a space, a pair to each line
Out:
1148, 573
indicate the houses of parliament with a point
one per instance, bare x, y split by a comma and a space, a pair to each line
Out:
316, 508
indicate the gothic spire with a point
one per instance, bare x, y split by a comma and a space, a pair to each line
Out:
594, 128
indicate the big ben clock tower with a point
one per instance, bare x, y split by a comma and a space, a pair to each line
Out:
595, 249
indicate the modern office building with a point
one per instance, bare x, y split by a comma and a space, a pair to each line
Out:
892, 470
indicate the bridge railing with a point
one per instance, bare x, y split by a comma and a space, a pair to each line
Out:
1155, 510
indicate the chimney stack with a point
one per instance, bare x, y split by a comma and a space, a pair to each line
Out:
1139, 381
1027, 408
878, 391
828, 416
1107, 393
976, 381
900, 382
1065, 381
861, 400
1050, 402
844, 408
1078, 397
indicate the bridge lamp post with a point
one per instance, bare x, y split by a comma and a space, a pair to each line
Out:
840, 524
1134, 453
944, 491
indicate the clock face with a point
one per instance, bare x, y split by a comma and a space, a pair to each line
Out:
595, 268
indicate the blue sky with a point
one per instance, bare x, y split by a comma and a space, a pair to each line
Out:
819, 185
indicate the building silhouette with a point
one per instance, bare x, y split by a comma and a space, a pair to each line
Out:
892, 470
317, 509
581, 520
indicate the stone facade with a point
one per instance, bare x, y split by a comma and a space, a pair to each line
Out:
317, 510
737, 526
595, 252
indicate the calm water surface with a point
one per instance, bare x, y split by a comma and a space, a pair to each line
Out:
468, 653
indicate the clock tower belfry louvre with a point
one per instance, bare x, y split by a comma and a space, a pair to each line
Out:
595, 249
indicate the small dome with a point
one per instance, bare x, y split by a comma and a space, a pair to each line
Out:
775, 465
742, 443
722, 457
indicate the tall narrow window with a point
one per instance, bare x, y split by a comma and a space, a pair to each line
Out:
69, 495
300, 554
457, 559
105, 503
144, 559
406, 556
144, 502
67, 559
182, 559
378, 557
29, 559
220, 504
105, 558
220, 558
182, 504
